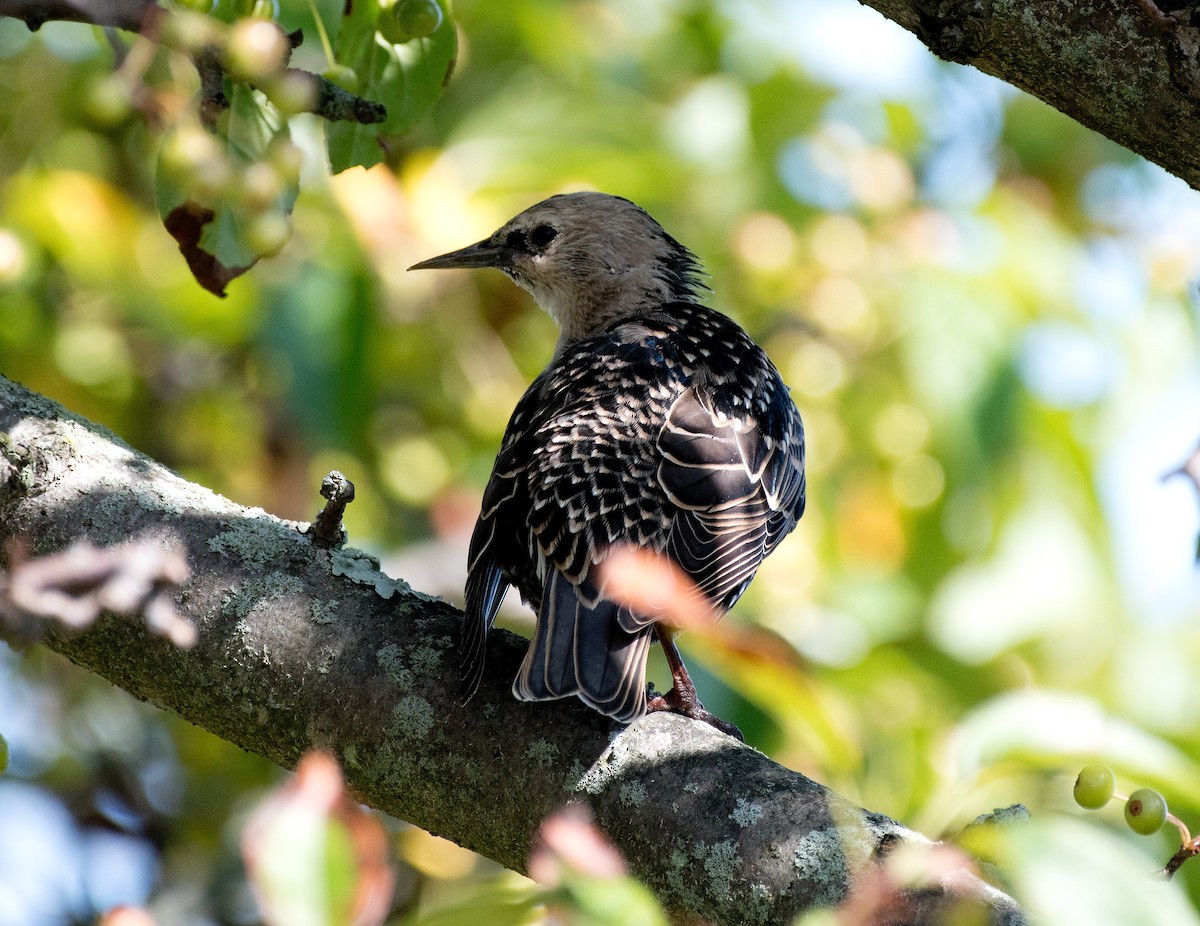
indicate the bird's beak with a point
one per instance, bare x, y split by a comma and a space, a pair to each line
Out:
486, 253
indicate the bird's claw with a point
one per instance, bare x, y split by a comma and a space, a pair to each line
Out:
689, 705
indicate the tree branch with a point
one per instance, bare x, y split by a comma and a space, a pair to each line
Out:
328, 100
302, 646
1124, 68
129, 15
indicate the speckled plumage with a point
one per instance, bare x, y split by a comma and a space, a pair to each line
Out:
658, 423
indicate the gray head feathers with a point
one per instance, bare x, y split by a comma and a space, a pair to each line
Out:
589, 259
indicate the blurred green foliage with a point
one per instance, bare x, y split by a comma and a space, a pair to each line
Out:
986, 314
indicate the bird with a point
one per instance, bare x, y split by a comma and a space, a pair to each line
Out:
658, 423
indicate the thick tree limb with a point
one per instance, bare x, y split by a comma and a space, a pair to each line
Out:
299, 645
1129, 69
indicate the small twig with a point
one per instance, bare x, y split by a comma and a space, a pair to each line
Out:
338, 105
213, 100
1186, 851
129, 15
327, 530
117, 44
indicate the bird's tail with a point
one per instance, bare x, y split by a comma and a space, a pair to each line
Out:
594, 651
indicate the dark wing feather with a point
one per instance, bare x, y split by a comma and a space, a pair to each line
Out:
737, 480
582, 650
500, 543
486, 587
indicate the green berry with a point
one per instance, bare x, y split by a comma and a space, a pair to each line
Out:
420, 18
3, 755
1094, 787
212, 179
259, 186
1145, 811
266, 234
406, 20
189, 31
195, 162
287, 159
256, 49
389, 26
253, 9
342, 75
291, 92
107, 101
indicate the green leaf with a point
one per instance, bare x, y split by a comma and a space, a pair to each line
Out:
406, 78
496, 904
602, 901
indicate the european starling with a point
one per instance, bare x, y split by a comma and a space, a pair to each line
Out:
658, 423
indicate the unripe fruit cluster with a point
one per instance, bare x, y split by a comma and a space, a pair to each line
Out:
199, 167
1145, 808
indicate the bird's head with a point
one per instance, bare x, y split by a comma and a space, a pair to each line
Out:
589, 259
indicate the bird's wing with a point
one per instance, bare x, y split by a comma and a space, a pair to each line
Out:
737, 480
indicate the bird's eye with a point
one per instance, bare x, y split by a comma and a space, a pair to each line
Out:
542, 235
516, 240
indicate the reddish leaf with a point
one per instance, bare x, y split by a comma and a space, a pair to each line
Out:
186, 225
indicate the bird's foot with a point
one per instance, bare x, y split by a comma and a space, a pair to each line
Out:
686, 703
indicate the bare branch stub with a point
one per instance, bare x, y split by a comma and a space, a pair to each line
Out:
955, 30
1189, 468
327, 530
1169, 15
